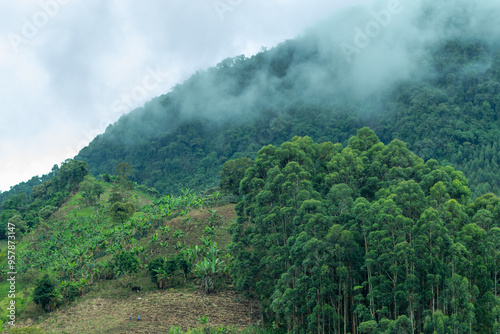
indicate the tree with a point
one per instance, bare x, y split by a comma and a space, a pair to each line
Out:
47, 211
126, 262
120, 212
368, 327
124, 172
116, 196
232, 173
106, 177
322, 258
155, 266
44, 291
437, 324
71, 173
91, 189
19, 223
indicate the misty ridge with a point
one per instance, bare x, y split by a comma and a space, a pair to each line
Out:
360, 52
365, 65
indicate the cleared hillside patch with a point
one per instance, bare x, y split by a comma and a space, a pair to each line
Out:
159, 311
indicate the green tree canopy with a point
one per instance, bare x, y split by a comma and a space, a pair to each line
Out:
364, 238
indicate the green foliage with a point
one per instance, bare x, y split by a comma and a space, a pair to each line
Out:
209, 231
232, 173
47, 211
208, 266
337, 239
214, 217
368, 327
169, 272
44, 292
91, 190
124, 172
208, 271
451, 116
116, 196
70, 175
19, 224
203, 320
120, 212
106, 177
26, 187
37, 200
155, 267
125, 262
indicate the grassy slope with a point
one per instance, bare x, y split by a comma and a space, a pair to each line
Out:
108, 303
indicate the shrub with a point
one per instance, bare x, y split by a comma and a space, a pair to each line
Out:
47, 211
154, 268
120, 212
44, 291
126, 262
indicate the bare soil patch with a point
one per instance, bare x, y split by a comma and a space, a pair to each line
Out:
159, 311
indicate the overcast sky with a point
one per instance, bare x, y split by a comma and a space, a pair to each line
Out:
68, 68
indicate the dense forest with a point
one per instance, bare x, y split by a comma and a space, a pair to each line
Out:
452, 117
365, 238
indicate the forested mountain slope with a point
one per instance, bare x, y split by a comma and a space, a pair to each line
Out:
440, 94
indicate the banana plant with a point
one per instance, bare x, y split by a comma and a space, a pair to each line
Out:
207, 242
166, 229
55, 300
208, 270
154, 238
209, 230
82, 283
179, 234
194, 253
179, 246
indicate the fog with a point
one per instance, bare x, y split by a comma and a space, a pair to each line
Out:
71, 67
360, 52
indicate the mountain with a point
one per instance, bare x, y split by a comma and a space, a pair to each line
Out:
345, 149
428, 75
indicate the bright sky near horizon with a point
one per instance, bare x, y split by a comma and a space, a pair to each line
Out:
69, 68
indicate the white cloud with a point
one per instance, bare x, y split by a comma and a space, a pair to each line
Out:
65, 64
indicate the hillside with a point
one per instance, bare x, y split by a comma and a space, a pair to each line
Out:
93, 256
324, 238
300, 190
440, 95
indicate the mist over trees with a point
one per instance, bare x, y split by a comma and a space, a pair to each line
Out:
429, 77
